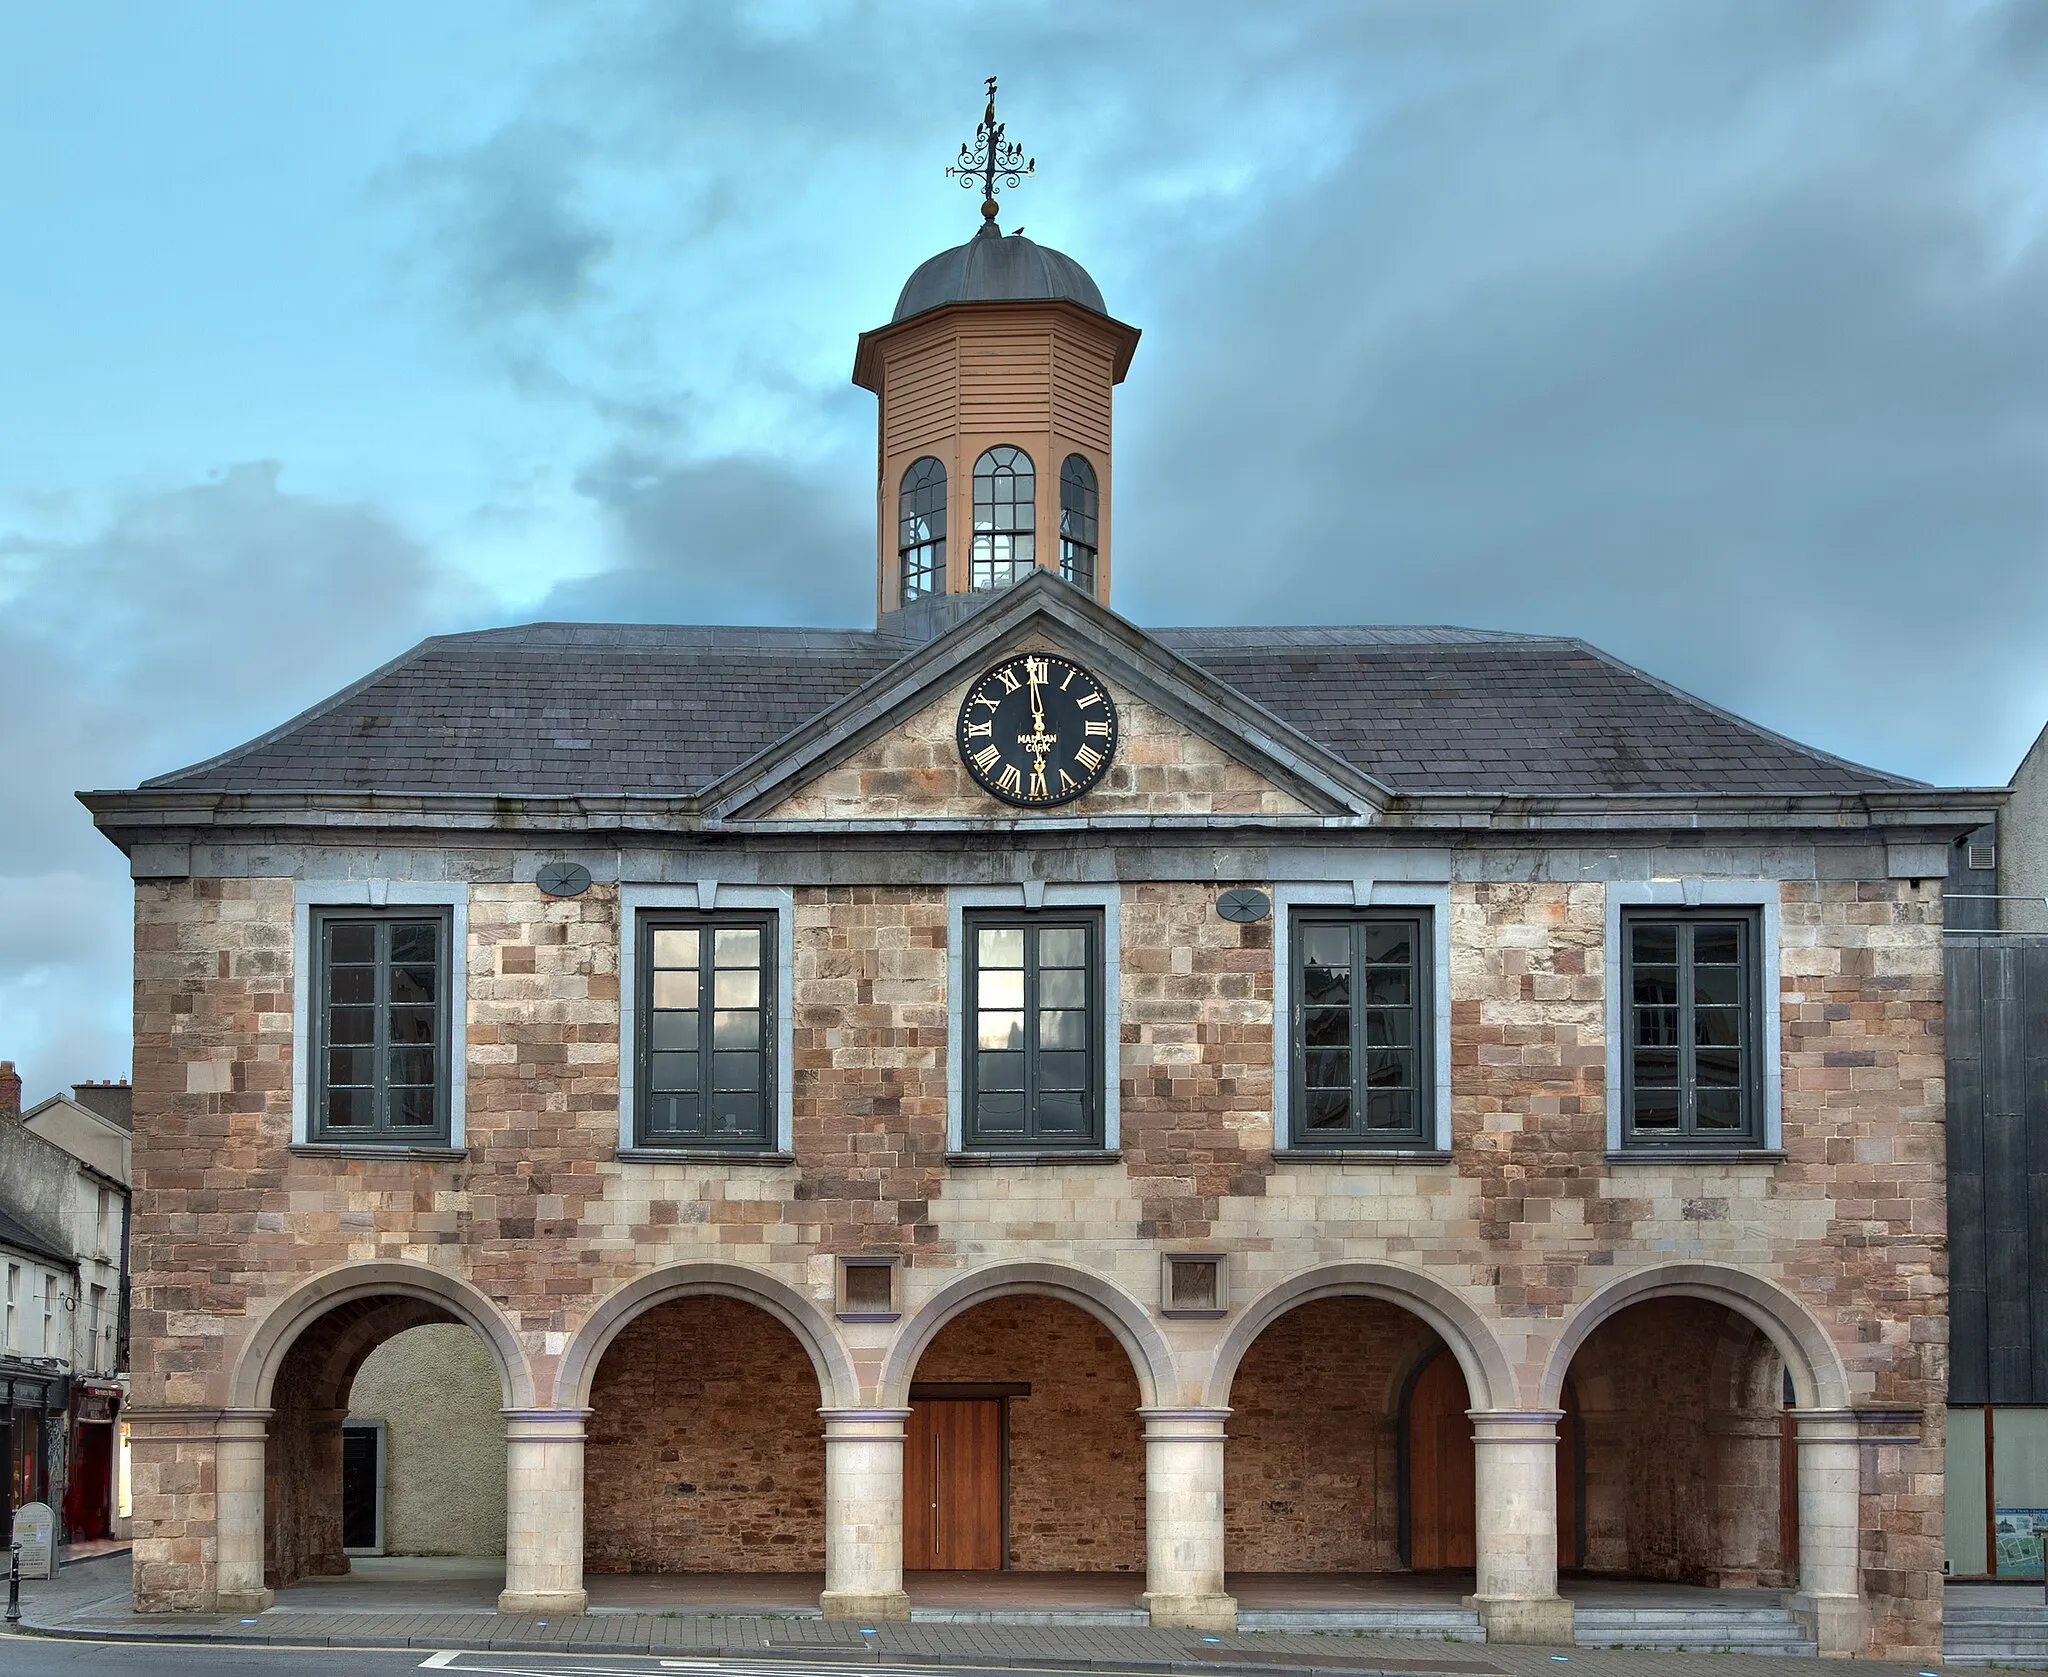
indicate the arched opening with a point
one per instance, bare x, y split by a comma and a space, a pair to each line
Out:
384, 1457
1024, 1462
921, 530
1079, 522
1005, 518
704, 1466
1688, 1478
1349, 1461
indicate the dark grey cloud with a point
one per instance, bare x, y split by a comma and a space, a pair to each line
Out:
1712, 333
1715, 333
504, 217
190, 619
735, 540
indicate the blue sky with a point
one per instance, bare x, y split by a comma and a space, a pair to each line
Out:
1714, 332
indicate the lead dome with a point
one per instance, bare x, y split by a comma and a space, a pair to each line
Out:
992, 268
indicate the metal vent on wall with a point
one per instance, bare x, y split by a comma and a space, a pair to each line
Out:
1982, 856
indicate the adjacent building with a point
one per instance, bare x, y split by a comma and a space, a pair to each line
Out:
64, 1242
1363, 1101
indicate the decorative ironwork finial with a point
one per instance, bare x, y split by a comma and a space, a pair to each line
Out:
991, 160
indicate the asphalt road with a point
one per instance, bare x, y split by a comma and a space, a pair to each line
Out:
29, 1656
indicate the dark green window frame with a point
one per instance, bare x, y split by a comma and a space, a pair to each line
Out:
1691, 1033
381, 1020
705, 1075
1022, 1091
1364, 1050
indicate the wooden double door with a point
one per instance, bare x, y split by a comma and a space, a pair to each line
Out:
1442, 1473
953, 1480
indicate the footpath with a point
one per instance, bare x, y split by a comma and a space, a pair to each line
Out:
89, 1600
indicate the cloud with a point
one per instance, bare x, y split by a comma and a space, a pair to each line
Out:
1720, 347
736, 540
189, 620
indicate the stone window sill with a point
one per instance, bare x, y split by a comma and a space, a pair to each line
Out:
703, 1156
1362, 1155
377, 1150
1697, 1156
1042, 1156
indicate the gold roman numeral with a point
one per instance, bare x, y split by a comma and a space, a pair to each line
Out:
1009, 679
1068, 783
984, 729
1009, 780
1096, 730
986, 758
1089, 758
1071, 673
1038, 786
1037, 669
1085, 702
984, 699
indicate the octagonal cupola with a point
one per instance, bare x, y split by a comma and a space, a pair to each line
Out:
995, 375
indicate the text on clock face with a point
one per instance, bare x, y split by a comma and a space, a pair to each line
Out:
1037, 729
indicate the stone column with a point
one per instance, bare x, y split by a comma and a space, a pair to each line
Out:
238, 1511
543, 1511
1184, 1519
1515, 1461
864, 1514
1828, 1603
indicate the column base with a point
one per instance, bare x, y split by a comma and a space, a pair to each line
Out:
865, 1605
242, 1601
568, 1603
1531, 1621
1835, 1622
1190, 1612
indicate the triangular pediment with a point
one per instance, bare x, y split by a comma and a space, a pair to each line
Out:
1189, 748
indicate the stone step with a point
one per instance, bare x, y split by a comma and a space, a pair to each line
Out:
1124, 1617
1748, 1630
1432, 1624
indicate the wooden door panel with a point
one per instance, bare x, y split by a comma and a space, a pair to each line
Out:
1442, 1469
953, 1485
919, 1548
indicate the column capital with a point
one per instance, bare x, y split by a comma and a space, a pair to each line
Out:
523, 1425
1184, 1426
248, 1424
881, 1426
1514, 1426
1827, 1425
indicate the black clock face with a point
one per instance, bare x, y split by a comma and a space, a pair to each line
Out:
1037, 730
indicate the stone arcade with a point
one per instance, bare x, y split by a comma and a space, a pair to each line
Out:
1203, 1066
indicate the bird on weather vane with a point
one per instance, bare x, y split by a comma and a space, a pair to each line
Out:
991, 160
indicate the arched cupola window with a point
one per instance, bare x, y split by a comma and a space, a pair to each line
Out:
1078, 522
1005, 518
921, 529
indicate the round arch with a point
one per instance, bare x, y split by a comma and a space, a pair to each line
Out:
1488, 1377
256, 1367
1818, 1379
1109, 1304
838, 1386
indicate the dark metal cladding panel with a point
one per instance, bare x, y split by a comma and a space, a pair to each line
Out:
2005, 1179
2030, 1056
1969, 1319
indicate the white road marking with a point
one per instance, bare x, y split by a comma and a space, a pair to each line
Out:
439, 1662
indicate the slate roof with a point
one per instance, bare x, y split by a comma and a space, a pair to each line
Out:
22, 1238
565, 709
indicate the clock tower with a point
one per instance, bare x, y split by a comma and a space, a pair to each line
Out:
993, 449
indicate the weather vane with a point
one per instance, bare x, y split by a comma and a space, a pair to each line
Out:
991, 159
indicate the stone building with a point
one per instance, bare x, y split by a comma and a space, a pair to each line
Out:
1362, 1102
